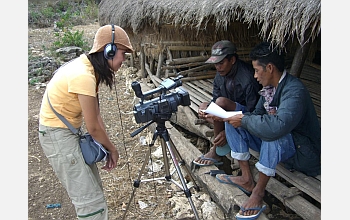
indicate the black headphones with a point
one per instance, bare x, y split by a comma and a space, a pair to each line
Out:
110, 49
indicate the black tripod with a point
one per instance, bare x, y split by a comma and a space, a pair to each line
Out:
165, 143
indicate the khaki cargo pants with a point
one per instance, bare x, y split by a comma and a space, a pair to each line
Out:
82, 181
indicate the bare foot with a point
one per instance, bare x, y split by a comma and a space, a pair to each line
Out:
211, 154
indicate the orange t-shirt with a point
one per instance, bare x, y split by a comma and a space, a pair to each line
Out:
71, 79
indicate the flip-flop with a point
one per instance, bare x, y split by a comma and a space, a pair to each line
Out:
215, 162
249, 217
229, 181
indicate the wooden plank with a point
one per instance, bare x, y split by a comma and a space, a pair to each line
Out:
290, 198
295, 180
202, 92
313, 181
202, 84
194, 94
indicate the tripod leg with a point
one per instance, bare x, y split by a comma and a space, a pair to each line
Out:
181, 161
138, 181
166, 162
185, 189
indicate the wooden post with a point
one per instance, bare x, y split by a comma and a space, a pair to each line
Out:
151, 65
299, 59
142, 61
132, 59
170, 57
148, 70
160, 62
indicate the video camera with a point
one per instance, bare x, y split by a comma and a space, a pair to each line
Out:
162, 107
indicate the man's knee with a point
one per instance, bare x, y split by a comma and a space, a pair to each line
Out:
226, 103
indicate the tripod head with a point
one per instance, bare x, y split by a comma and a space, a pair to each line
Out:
160, 124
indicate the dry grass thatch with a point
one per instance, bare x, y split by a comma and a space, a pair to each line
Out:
277, 20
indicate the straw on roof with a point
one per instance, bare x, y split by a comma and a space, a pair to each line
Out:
278, 20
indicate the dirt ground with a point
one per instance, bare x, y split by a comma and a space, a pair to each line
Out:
116, 107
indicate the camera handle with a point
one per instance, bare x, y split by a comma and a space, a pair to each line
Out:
133, 134
166, 144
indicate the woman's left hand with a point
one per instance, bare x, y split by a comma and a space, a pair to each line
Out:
112, 160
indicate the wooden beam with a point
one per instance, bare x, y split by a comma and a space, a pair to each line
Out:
186, 79
186, 65
202, 67
187, 60
189, 48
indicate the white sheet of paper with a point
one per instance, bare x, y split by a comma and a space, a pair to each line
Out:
216, 110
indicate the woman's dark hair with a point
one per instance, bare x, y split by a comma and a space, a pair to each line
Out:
265, 54
104, 73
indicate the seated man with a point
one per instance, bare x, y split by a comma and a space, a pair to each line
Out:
283, 127
234, 88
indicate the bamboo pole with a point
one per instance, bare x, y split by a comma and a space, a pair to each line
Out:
203, 67
185, 79
187, 60
182, 65
202, 73
189, 48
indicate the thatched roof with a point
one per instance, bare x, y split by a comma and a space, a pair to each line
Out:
277, 20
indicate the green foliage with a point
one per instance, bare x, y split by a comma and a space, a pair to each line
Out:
91, 10
65, 13
33, 81
48, 13
63, 5
70, 38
